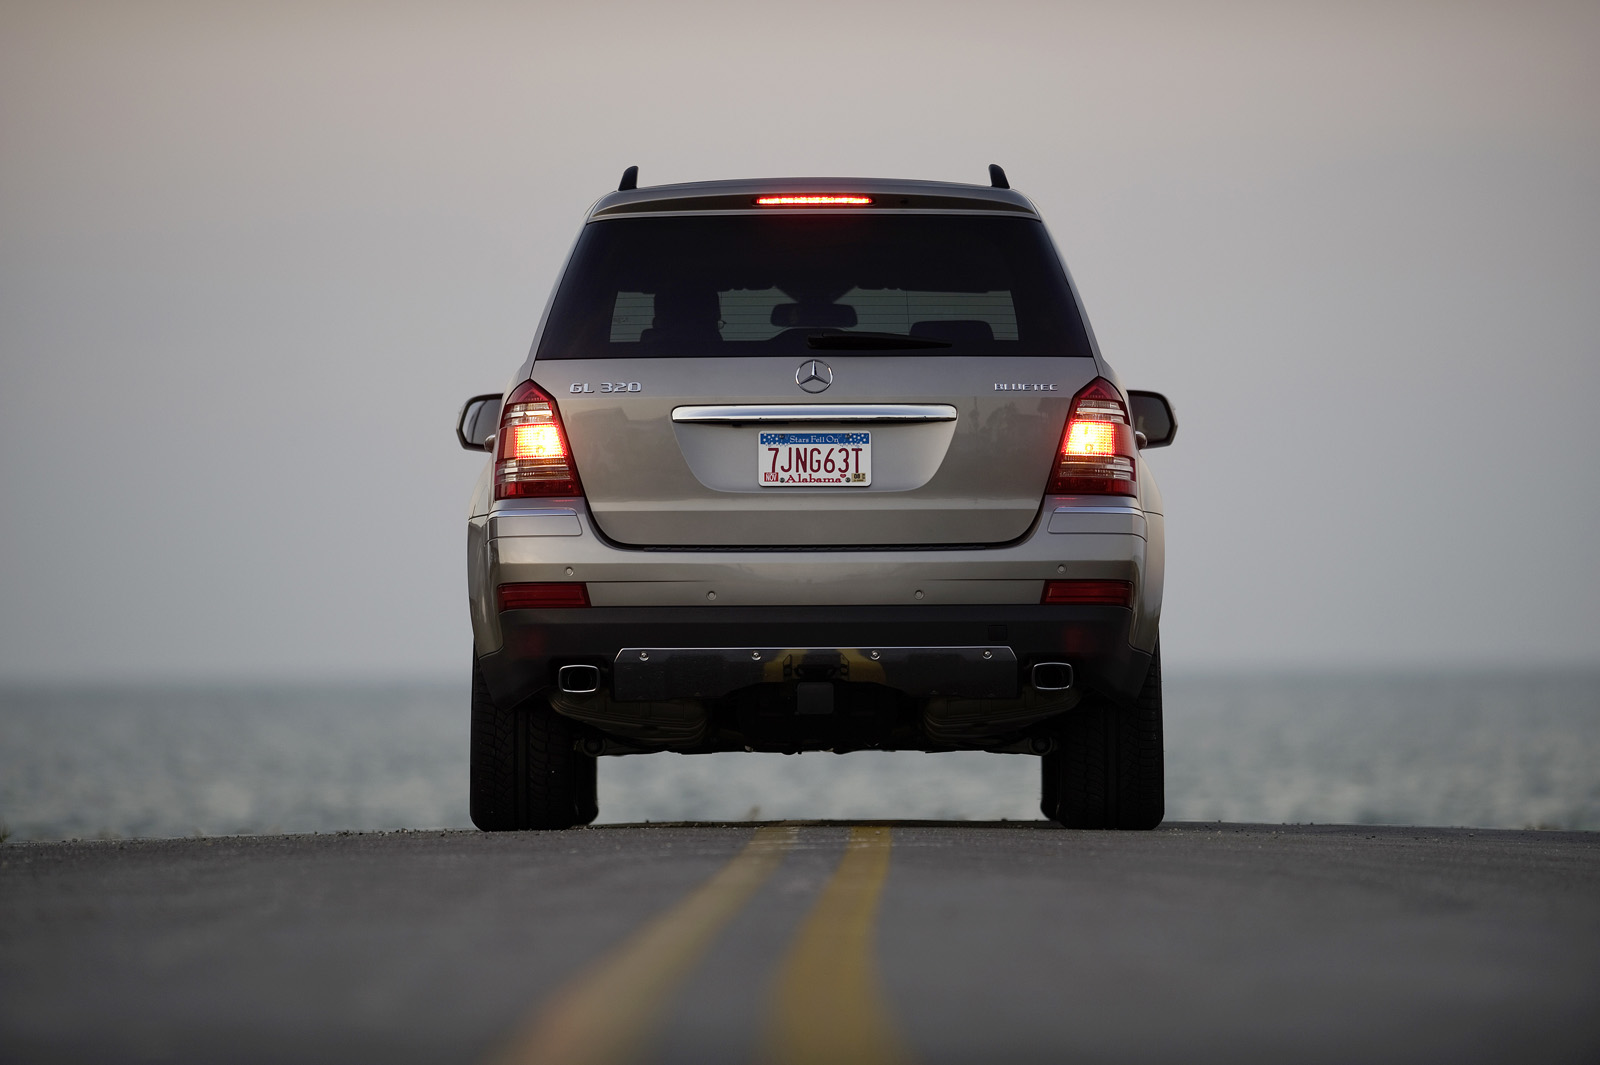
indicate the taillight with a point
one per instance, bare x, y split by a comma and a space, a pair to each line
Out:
1089, 593
537, 596
531, 453
1096, 453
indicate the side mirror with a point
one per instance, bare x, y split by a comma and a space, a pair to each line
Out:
480, 418
1153, 418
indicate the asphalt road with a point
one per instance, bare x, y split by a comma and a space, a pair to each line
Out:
900, 942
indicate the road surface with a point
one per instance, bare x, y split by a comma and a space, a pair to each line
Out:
806, 943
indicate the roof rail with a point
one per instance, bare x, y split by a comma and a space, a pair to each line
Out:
997, 177
630, 179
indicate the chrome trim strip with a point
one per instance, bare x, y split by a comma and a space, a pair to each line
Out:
551, 521
1116, 520
767, 414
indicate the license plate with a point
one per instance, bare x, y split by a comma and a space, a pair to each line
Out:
797, 460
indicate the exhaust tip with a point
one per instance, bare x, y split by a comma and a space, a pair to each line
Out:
1052, 676
578, 680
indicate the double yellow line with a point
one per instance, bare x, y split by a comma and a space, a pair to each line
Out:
827, 1005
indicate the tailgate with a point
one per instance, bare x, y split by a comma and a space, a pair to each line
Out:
672, 452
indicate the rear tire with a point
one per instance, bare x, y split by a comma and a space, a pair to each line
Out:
586, 789
1049, 784
1109, 771
526, 771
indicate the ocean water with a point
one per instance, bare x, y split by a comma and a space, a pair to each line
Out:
1488, 750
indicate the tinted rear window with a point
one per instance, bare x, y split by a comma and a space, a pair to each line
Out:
713, 285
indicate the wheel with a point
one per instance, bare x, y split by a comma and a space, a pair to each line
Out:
526, 771
1109, 771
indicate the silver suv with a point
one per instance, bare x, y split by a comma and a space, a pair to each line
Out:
815, 464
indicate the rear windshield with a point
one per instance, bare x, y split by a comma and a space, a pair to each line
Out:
713, 285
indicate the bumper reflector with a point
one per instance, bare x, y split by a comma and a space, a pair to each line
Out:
542, 596
1095, 593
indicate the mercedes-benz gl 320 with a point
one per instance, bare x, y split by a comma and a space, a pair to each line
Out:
815, 465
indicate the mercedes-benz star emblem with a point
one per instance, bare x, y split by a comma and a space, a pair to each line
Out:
814, 376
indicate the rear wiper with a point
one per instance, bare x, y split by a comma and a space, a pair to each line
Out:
870, 342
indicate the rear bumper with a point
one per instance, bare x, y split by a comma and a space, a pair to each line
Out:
1094, 639
852, 600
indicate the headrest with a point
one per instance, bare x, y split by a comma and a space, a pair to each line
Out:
955, 330
819, 315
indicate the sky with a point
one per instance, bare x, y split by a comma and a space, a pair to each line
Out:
254, 256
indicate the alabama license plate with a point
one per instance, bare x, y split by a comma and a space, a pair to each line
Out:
794, 460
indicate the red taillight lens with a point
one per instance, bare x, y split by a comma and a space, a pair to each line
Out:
1094, 593
1096, 454
540, 596
531, 454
